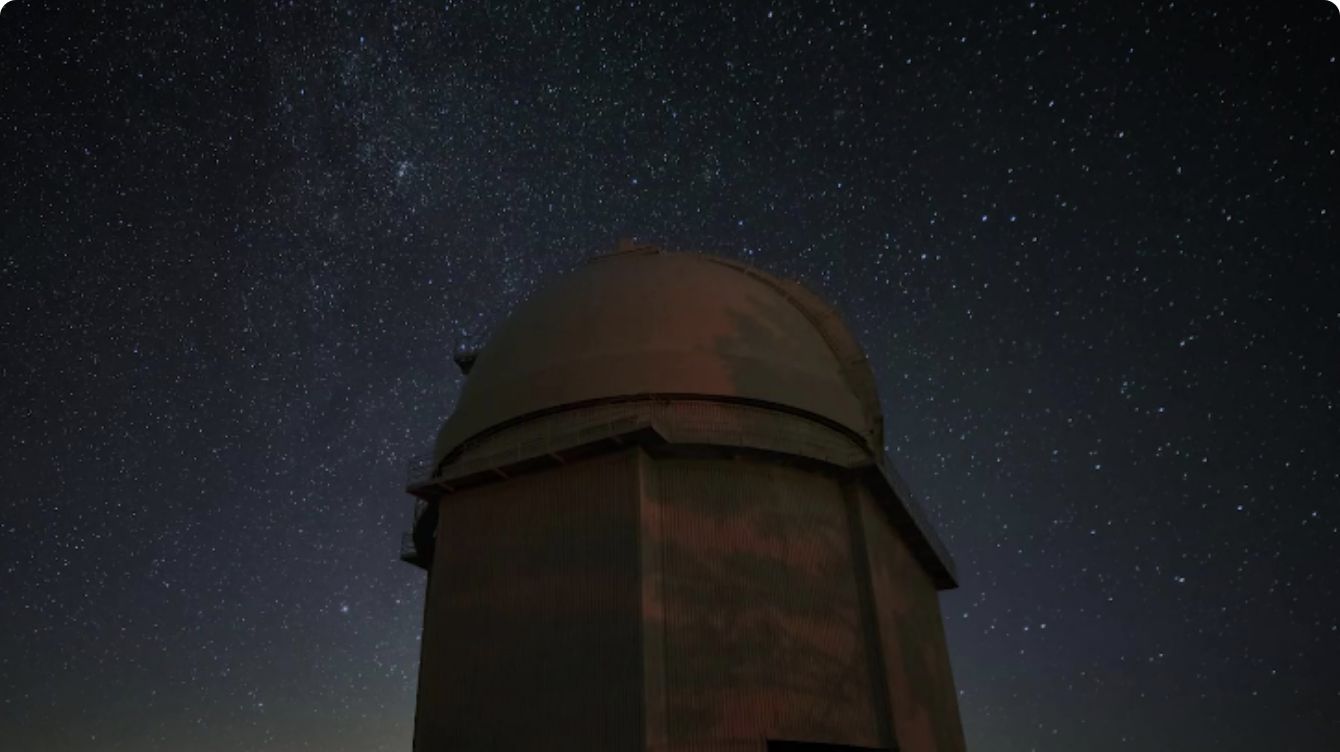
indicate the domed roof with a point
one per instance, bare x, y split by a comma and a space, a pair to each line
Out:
646, 322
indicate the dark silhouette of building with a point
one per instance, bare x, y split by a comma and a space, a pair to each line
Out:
660, 518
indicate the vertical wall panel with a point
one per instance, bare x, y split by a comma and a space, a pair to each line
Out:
653, 607
907, 608
532, 623
763, 636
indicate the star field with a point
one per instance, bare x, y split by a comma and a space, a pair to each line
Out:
1090, 248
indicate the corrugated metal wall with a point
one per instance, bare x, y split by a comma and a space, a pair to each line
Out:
907, 608
654, 669
759, 603
678, 604
532, 625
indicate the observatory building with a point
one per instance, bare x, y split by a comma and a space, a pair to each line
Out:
660, 518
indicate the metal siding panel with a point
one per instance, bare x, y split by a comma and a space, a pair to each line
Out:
653, 606
531, 637
907, 607
763, 619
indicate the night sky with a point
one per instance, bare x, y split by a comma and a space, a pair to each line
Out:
1092, 250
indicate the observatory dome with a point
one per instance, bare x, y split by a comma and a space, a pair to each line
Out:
664, 484
644, 322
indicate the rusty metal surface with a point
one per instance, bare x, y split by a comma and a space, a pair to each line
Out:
679, 603
761, 613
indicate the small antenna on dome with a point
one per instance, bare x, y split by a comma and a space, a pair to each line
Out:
465, 359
